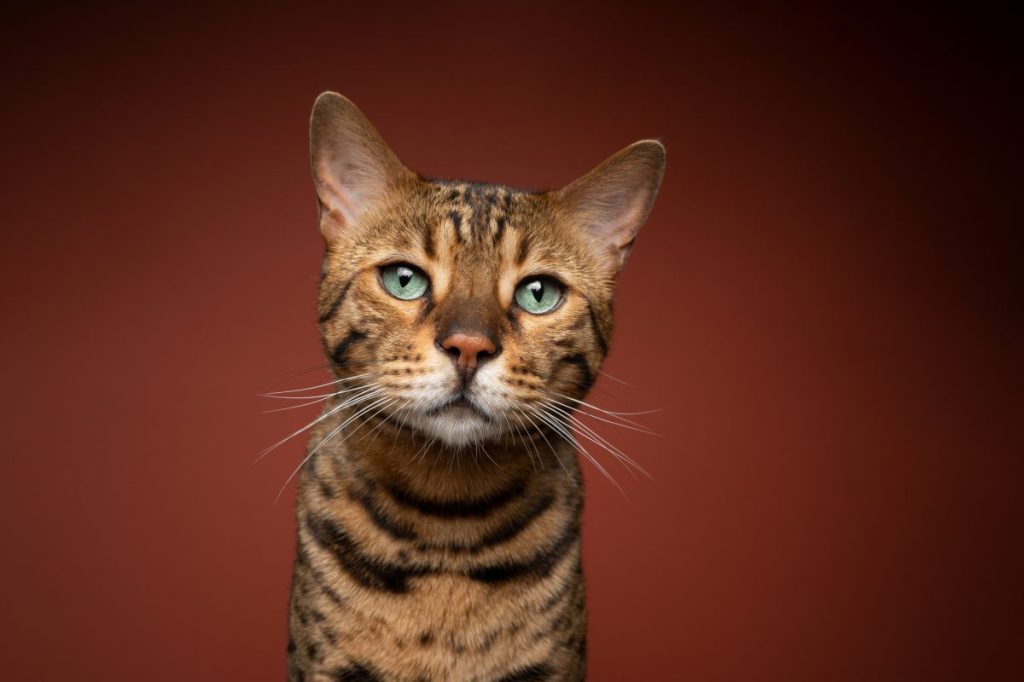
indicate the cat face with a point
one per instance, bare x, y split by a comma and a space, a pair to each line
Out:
464, 310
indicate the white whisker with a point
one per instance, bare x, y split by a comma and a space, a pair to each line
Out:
567, 435
625, 425
552, 447
350, 401
611, 413
616, 379
269, 394
599, 440
324, 440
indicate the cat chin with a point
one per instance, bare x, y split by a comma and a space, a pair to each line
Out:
457, 427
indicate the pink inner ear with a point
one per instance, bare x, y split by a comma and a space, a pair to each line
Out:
334, 197
612, 201
623, 230
614, 222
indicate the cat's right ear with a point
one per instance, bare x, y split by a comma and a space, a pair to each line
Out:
353, 168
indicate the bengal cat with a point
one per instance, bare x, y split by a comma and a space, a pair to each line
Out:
439, 504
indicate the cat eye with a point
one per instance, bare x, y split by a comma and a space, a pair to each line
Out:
538, 295
404, 281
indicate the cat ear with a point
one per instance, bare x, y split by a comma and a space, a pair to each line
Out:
612, 201
353, 168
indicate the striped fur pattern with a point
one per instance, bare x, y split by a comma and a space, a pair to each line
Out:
438, 513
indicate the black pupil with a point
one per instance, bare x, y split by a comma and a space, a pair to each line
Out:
404, 275
537, 289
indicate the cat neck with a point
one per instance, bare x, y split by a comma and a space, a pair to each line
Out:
385, 453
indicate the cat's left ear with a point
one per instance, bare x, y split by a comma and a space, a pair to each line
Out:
612, 201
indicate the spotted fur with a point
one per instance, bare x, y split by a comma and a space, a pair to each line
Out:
441, 541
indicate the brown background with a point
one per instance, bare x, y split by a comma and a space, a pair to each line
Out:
823, 304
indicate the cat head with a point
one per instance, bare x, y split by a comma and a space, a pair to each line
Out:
463, 310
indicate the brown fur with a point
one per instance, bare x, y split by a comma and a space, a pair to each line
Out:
421, 558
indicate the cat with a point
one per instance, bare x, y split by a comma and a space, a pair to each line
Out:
439, 505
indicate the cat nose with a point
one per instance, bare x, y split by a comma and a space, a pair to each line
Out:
469, 348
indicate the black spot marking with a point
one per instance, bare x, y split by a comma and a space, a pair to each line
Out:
325, 588
488, 641
357, 672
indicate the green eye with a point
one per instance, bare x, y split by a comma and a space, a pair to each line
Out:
538, 295
404, 281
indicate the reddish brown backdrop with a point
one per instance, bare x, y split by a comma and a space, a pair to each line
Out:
823, 304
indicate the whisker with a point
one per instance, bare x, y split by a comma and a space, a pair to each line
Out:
323, 441
376, 430
296, 407
512, 432
364, 420
401, 425
566, 435
269, 394
616, 379
594, 436
552, 447
334, 410
319, 395
301, 373
422, 452
611, 413
528, 443
597, 439
625, 424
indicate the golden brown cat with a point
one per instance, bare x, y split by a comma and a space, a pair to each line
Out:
439, 504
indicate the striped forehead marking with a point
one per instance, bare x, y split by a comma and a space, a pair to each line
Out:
479, 213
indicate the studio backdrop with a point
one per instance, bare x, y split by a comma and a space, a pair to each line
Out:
823, 313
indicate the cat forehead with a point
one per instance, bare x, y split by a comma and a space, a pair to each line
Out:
476, 230
479, 213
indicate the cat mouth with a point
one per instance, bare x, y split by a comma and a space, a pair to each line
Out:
460, 403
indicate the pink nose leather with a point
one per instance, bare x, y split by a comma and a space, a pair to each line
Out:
469, 346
